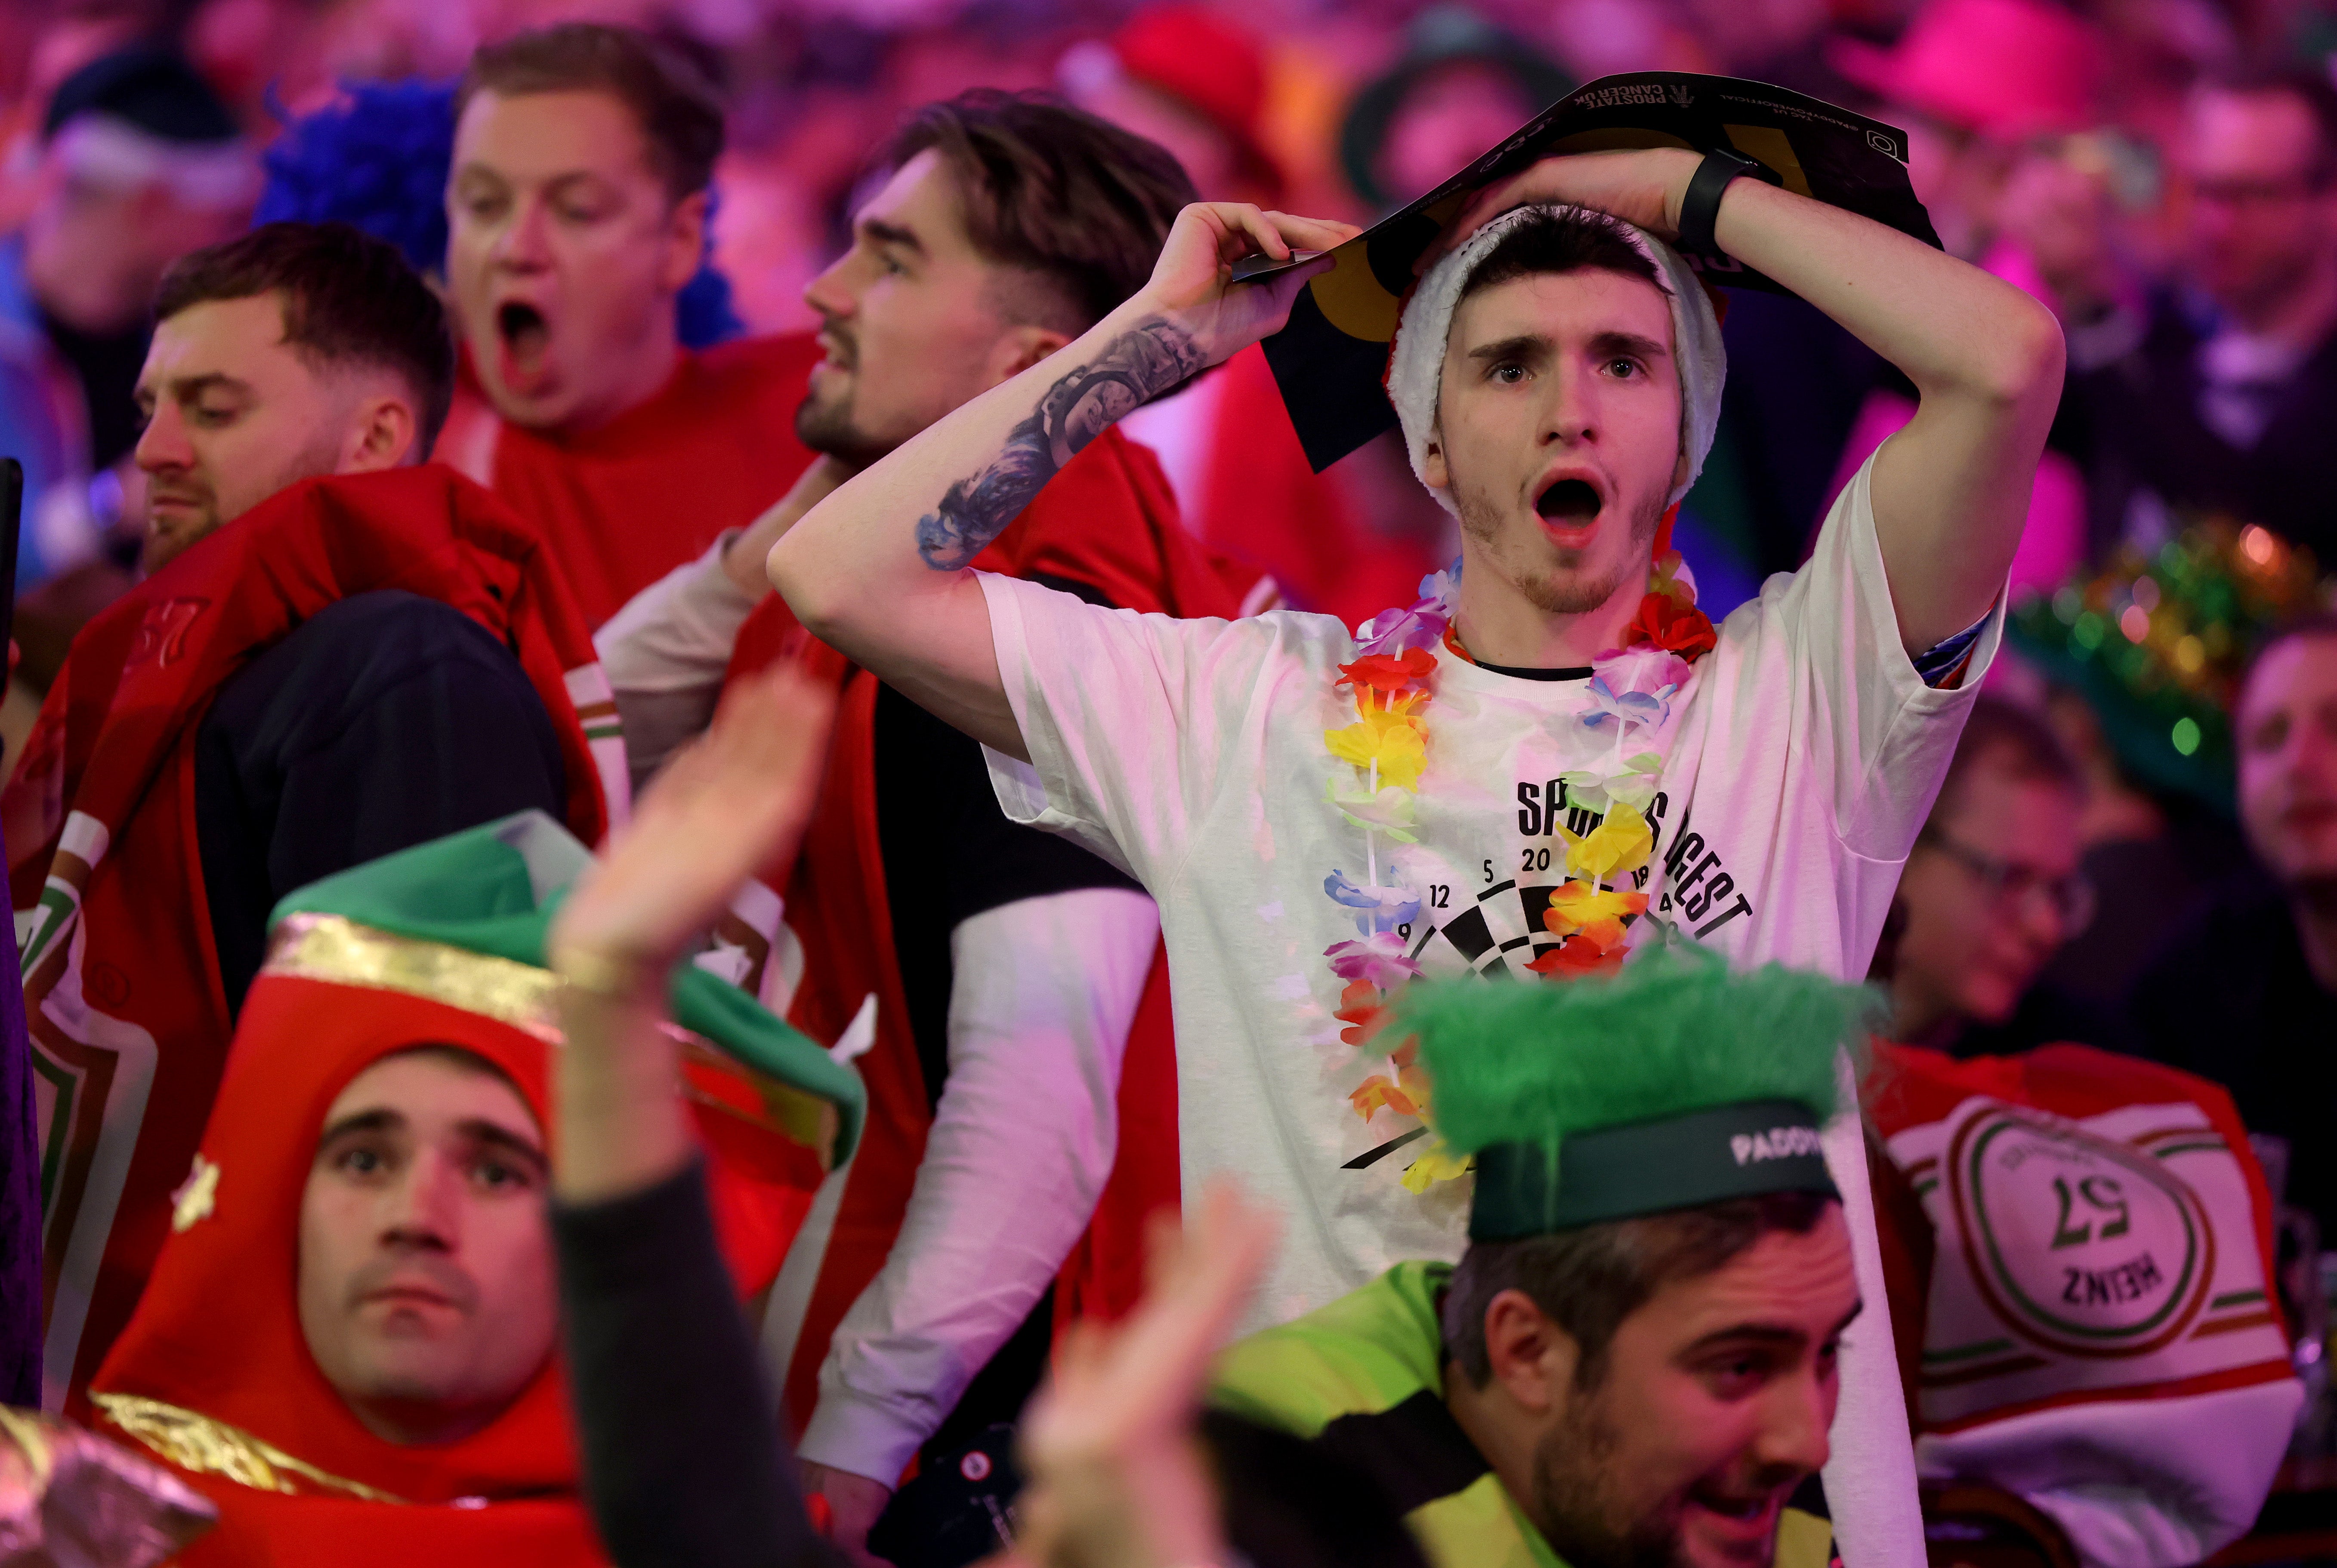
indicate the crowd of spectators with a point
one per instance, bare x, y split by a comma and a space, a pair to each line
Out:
2133, 854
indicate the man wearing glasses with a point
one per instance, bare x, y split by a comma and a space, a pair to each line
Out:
1991, 892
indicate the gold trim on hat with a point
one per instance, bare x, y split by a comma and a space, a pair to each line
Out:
338, 951
203, 1447
333, 948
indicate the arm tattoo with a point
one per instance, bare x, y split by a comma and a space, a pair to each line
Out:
1133, 369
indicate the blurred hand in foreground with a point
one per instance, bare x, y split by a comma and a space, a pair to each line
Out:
728, 806
1118, 1477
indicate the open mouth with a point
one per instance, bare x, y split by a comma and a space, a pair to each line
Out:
1752, 1511
838, 349
527, 336
1570, 503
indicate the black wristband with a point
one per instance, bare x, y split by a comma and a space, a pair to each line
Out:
1700, 208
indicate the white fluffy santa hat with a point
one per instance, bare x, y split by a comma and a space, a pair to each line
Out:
1416, 361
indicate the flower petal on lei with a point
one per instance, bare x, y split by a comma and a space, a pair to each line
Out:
1439, 1164
1380, 1090
1388, 813
1665, 622
1391, 736
1378, 958
1389, 675
1620, 843
1592, 911
1362, 1010
1575, 957
1382, 909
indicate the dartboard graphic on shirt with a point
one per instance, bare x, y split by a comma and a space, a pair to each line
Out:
1498, 933
1496, 928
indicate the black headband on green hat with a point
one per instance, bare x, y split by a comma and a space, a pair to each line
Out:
462, 920
1672, 1084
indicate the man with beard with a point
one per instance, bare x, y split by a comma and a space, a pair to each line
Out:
341, 650
2262, 1028
577, 210
1550, 761
1634, 1363
1022, 1068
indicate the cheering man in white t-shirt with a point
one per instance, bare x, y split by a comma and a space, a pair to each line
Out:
1533, 769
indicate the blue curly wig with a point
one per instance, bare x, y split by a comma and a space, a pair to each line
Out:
379, 158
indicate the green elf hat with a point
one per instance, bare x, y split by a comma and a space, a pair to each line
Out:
462, 921
1672, 1084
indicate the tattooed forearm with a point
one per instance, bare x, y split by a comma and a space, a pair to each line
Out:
1134, 368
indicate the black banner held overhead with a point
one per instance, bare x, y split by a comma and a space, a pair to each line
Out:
1330, 360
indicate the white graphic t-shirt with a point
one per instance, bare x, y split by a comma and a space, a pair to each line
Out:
1802, 757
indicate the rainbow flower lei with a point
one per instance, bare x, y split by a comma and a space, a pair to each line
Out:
1385, 750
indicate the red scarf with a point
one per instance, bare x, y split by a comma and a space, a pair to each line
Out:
1107, 520
119, 958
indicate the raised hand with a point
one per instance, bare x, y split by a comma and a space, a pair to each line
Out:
1116, 1474
723, 809
1192, 283
1642, 188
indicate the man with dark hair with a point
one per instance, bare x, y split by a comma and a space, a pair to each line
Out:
340, 650
1634, 1362
1020, 998
2245, 993
577, 210
1990, 892
2216, 396
1539, 765
296, 350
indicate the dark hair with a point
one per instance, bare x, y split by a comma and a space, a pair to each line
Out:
679, 113
1054, 191
2319, 624
1561, 243
2311, 88
349, 300
1588, 1281
2004, 734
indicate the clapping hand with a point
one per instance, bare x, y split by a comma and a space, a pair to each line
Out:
727, 806
1118, 1477
724, 809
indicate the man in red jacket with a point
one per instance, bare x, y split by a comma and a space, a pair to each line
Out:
577, 210
339, 654
1021, 1069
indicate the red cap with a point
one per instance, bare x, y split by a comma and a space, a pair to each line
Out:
2009, 68
1216, 65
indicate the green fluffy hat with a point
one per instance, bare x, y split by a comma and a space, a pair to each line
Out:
462, 920
1674, 1084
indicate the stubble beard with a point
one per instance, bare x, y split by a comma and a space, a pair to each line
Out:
1575, 1505
1561, 592
320, 458
824, 424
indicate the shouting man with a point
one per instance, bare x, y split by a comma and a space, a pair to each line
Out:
576, 212
1536, 766
1635, 1361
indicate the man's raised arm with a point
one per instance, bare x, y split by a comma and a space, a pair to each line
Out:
878, 570
1951, 490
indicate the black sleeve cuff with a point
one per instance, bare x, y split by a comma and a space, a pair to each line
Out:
683, 1461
